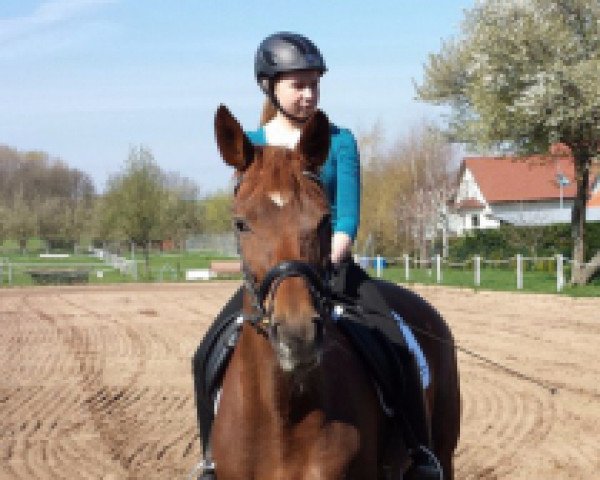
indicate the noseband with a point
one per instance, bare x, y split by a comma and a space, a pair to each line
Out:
318, 286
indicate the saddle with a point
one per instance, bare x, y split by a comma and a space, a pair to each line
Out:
220, 350
382, 359
376, 352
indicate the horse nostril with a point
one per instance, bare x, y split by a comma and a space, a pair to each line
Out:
274, 330
318, 323
297, 338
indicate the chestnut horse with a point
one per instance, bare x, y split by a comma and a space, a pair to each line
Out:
297, 403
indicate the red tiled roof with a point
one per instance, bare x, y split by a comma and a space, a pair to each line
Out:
505, 179
595, 200
469, 203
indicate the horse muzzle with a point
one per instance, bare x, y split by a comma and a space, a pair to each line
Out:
299, 347
296, 336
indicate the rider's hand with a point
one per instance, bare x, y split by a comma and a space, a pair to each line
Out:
340, 247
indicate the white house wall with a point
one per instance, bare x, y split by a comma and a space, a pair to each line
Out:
462, 221
593, 214
459, 223
468, 188
534, 213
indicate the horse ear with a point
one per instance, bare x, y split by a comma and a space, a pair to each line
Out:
314, 140
234, 146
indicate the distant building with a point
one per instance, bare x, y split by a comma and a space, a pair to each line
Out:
518, 191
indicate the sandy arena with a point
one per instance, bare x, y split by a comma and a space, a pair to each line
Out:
95, 382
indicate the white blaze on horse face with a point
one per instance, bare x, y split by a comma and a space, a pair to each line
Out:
279, 198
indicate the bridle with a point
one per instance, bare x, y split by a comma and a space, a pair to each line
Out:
262, 294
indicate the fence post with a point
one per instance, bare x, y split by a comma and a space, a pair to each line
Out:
438, 268
406, 266
378, 265
560, 279
135, 271
519, 271
10, 273
477, 266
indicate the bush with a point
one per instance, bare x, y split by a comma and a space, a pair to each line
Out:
508, 240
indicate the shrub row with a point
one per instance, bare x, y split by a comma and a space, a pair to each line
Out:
508, 240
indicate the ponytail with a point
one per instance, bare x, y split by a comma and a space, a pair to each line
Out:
268, 112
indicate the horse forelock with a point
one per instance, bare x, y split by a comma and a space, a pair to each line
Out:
277, 175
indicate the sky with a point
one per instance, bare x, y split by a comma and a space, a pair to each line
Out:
87, 80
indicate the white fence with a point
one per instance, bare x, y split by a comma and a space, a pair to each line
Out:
12, 273
435, 266
53, 266
221, 243
126, 267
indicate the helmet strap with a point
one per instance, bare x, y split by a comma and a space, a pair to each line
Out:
271, 94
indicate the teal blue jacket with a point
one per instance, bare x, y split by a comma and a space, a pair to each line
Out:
340, 175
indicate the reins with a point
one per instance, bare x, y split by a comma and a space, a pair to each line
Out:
552, 389
290, 268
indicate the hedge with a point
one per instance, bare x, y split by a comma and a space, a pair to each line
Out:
509, 240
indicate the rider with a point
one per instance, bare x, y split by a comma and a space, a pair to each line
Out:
288, 67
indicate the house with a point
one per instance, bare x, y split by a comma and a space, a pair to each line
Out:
519, 191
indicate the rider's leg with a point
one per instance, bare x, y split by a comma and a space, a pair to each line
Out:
359, 285
204, 394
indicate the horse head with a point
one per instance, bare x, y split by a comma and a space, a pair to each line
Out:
282, 219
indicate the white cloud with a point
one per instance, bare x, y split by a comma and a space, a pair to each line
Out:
47, 16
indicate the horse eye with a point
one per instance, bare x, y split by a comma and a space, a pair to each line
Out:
241, 225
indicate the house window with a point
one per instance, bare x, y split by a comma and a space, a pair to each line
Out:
475, 221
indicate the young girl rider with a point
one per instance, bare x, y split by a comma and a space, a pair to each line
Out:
288, 68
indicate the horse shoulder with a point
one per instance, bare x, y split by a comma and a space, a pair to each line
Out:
237, 419
333, 452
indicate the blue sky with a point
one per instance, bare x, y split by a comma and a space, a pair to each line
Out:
84, 80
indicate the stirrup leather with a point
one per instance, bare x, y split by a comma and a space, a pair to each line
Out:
431, 467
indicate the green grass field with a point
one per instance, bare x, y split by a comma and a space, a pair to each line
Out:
167, 267
171, 267
499, 279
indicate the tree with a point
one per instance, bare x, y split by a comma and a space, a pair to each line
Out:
134, 200
21, 221
216, 212
52, 219
54, 200
181, 212
524, 75
404, 190
4, 215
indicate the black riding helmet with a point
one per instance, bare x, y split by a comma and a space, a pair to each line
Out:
285, 52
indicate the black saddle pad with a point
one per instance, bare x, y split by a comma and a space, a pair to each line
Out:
381, 357
219, 349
